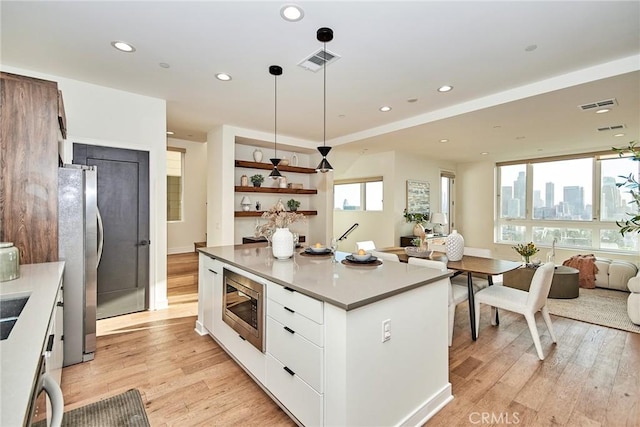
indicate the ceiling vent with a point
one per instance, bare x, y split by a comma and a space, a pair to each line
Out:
614, 127
607, 103
315, 61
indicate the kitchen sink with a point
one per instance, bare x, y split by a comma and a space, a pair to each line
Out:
10, 309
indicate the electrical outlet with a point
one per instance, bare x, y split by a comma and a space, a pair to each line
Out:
386, 330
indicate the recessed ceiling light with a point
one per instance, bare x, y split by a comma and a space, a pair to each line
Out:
484, 153
164, 65
531, 48
520, 137
444, 140
341, 116
619, 134
223, 76
291, 12
412, 99
123, 46
445, 88
604, 110
385, 108
169, 132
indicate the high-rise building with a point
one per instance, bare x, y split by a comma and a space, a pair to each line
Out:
549, 200
574, 199
520, 192
506, 195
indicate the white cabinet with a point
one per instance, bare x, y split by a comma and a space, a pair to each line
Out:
295, 353
213, 279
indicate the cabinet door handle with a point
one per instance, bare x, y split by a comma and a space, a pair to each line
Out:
214, 272
286, 288
289, 310
289, 371
50, 342
242, 338
288, 329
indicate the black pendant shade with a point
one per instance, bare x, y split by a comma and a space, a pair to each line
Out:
275, 71
324, 35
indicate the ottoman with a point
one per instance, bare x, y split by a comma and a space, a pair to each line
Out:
563, 286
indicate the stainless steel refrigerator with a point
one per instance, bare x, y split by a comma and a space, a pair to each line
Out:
78, 245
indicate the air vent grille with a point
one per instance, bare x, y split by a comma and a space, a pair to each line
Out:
613, 127
599, 104
316, 60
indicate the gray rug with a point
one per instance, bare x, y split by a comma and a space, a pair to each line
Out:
126, 409
598, 306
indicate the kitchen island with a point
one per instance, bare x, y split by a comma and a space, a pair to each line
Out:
343, 344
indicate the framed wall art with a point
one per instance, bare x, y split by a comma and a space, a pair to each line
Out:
418, 197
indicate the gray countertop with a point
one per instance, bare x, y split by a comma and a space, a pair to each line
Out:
20, 352
347, 287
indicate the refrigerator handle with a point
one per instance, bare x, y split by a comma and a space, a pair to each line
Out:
100, 236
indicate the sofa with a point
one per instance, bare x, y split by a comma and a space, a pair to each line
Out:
614, 274
633, 302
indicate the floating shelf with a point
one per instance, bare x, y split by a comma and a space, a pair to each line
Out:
269, 166
240, 189
259, 213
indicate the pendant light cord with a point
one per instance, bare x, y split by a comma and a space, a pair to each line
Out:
324, 72
275, 117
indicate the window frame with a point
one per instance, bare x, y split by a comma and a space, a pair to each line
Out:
363, 193
596, 226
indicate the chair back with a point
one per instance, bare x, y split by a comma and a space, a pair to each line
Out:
366, 245
479, 252
386, 256
540, 286
429, 263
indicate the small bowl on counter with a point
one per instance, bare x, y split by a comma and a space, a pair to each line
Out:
361, 258
416, 252
315, 248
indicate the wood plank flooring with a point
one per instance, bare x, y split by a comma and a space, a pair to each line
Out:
590, 378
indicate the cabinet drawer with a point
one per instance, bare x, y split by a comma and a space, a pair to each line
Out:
308, 307
300, 399
296, 353
302, 325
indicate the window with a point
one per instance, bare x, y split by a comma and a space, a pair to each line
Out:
363, 194
572, 200
175, 169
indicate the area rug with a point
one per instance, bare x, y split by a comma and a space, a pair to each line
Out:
598, 306
122, 410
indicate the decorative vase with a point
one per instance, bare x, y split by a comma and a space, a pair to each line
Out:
244, 181
257, 155
454, 244
294, 160
418, 229
282, 243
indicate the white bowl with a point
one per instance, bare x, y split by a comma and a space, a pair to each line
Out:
361, 257
416, 252
318, 249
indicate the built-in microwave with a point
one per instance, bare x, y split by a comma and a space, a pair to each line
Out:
243, 307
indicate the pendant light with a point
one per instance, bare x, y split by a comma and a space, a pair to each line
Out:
324, 35
275, 71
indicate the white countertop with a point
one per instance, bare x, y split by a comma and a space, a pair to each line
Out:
347, 287
20, 353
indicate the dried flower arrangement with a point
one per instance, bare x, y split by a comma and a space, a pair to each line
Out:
277, 217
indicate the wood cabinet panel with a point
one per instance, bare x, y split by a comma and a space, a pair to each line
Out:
29, 166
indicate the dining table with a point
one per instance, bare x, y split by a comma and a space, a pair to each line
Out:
470, 265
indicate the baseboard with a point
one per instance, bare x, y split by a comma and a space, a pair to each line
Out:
179, 250
429, 408
200, 329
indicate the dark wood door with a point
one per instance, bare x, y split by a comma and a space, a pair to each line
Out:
123, 201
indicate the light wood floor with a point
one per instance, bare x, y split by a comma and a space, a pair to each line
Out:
591, 378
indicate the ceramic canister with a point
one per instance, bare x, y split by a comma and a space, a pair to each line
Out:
282, 243
9, 262
454, 244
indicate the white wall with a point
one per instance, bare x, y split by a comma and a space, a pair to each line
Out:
108, 117
181, 235
386, 227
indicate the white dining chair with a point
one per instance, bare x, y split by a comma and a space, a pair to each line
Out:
385, 256
523, 302
366, 245
457, 293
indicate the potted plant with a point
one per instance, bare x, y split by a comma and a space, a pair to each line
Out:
256, 180
632, 224
293, 205
418, 219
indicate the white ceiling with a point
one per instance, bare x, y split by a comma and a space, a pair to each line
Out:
506, 101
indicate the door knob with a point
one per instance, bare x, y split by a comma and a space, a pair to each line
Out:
144, 242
